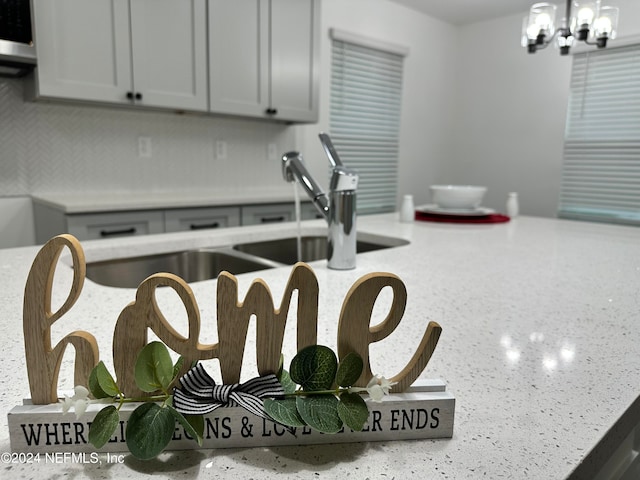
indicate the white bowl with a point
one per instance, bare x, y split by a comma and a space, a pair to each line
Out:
461, 197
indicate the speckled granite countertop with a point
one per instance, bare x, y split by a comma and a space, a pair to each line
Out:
108, 202
540, 346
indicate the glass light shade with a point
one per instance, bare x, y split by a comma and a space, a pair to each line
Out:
584, 13
524, 39
607, 23
542, 17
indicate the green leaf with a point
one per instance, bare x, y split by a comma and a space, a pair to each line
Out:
320, 412
189, 428
280, 366
103, 426
177, 367
314, 368
288, 385
101, 383
94, 385
353, 411
197, 423
284, 411
149, 430
154, 369
349, 370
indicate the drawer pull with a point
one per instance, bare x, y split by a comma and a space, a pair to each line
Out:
126, 231
281, 218
202, 226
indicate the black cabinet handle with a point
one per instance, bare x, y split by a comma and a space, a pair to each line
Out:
272, 111
202, 226
138, 96
125, 231
130, 95
281, 218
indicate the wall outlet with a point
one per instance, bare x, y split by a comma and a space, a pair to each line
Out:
144, 147
272, 152
221, 150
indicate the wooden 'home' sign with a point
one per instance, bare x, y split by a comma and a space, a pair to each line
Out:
415, 409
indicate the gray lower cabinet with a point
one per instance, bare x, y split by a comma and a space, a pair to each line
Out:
277, 213
89, 226
50, 221
265, 214
185, 219
109, 225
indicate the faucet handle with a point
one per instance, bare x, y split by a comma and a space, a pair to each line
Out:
330, 150
343, 179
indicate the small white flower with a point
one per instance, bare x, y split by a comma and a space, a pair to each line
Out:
79, 402
378, 387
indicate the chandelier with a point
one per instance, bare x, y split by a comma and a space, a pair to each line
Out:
586, 21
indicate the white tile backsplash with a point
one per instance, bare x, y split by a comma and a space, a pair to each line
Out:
66, 148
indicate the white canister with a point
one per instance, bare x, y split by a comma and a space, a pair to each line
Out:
512, 205
407, 210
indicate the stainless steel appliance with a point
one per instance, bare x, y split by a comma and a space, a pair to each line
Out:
17, 51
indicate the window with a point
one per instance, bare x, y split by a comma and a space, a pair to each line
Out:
364, 118
601, 169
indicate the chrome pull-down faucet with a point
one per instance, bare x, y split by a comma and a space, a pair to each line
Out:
338, 208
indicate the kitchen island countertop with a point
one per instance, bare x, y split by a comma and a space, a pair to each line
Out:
540, 346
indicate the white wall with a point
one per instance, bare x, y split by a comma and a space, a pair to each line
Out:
428, 90
510, 113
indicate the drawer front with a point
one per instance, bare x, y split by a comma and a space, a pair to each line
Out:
190, 219
265, 214
112, 225
308, 211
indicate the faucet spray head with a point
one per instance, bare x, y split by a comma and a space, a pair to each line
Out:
287, 173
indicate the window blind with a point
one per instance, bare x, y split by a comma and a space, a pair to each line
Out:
601, 168
364, 119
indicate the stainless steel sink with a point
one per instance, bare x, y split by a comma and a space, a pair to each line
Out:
313, 248
205, 264
191, 265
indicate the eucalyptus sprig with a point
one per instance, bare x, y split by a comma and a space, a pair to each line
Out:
325, 399
151, 425
318, 392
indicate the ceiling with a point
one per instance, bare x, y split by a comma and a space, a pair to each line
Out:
463, 12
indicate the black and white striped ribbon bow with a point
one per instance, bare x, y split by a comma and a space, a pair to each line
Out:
200, 394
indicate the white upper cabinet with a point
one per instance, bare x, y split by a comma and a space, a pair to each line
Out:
83, 49
170, 52
264, 58
143, 52
238, 51
294, 59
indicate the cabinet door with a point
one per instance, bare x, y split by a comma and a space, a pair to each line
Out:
83, 49
295, 39
270, 213
110, 225
238, 55
189, 219
169, 53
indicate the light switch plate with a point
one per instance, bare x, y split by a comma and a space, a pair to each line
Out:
221, 150
144, 147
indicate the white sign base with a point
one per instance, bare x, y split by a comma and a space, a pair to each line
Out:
425, 410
